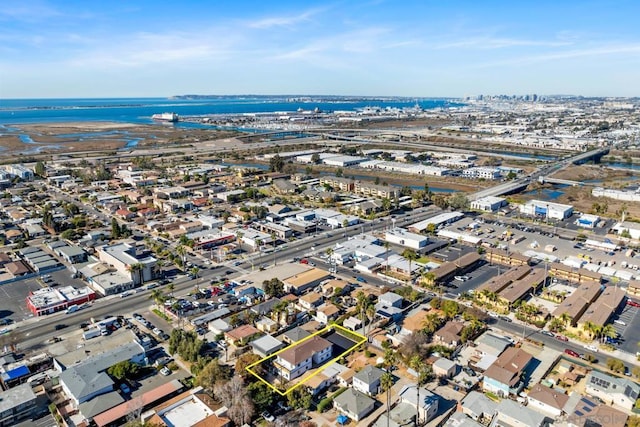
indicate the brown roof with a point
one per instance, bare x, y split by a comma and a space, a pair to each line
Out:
556, 266
306, 277
4, 258
329, 310
17, 268
604, 306
508, 366
312, 298
450, 332
148, 398
242, 332
519, 288
548, 396
415, 321
305, 350
499, 283
578, 301
504, 254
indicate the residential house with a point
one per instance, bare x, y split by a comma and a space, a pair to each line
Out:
310, 301
505, 376
428, 404
266, 345
294, 335
367, 380
613, 390
241, 335
511, 413
300, 358
327, 313
449, 334
547, 400
266, 324
444, 368
585, 411
192, 408
17, 404
478, 407
354, 404
487, 349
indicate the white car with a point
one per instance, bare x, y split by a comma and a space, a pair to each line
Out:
461, 278
125, 294
591, 347
165, 371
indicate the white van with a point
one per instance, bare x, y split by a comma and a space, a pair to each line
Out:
72, 309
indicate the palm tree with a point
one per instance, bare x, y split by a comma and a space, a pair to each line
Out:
565, 318
410, 255
386, 255
608, 331
182, 251
158, 297
171, 287
194, 272
364, 306
136, 270
431, 323
589, 327
417, 364
387, 382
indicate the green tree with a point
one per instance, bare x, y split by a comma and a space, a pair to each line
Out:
615, 365
410, 255
300, 398
315, 158
116, 231
276, 163
261, 395
40, 169
122, 370
243, 361
387, 382
459, 201
273, 287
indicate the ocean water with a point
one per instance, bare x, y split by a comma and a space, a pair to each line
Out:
140, 110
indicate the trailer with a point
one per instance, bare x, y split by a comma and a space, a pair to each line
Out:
91, 333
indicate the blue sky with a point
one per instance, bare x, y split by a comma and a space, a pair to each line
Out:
94, 48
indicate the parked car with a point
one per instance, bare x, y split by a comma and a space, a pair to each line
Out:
268, 417
125, 294
461, 278
361, 279
60, 326
591, 347
562, 338
165, 371
633, 303
571, 352
547, 333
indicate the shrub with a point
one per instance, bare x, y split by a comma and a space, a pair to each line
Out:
325, 404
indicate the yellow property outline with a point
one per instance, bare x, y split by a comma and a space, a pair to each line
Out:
318, 370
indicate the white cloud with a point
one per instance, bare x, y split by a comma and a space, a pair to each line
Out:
284, 20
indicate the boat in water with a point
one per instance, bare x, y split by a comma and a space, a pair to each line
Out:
166, 117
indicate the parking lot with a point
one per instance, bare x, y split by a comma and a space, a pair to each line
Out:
477, 277
630, 331
13, 299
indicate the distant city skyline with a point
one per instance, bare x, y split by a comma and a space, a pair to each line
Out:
65, 48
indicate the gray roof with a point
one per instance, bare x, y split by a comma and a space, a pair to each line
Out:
526, 416
494, 341
390, 298
265, 307
99, 404
353, 401
369, 375
83, 381
88, 376
71, 251
16, 396
428, 399
613, 385
267, 344
445, 364
479, 404
296, 334
458, 419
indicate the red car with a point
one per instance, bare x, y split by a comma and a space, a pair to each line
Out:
304, 261
571, 352
562, 338
215, 291
633, 303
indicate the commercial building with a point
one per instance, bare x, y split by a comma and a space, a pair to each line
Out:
437, 221
402, 237
607, 303
488, 204
587, 221
630, 229
546, 209
134, 262
49, 300
482, 173
299, 283
576, 304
